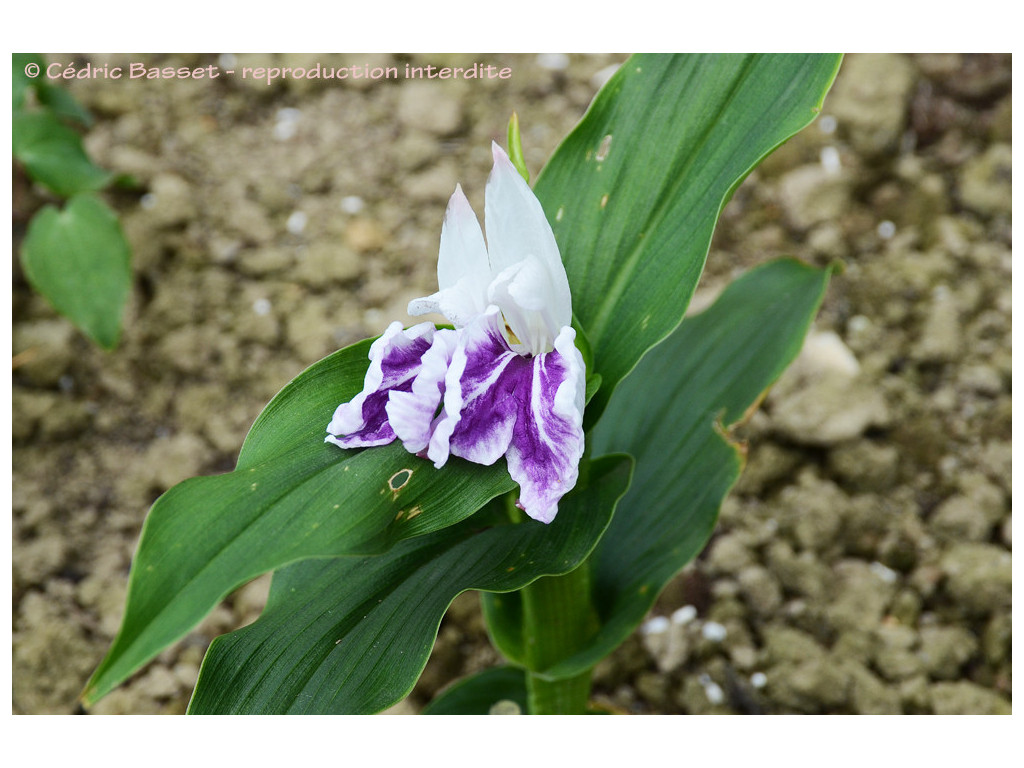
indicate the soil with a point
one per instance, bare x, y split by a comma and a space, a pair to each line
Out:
862, 564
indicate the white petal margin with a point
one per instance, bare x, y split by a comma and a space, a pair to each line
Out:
413, 415
395, 360
546, 448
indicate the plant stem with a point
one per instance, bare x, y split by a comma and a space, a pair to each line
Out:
559, 619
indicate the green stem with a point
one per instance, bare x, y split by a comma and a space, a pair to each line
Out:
558, 619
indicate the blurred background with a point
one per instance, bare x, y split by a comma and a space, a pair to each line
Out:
861, 565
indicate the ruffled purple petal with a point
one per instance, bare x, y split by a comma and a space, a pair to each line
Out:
395, 360
547, 442
483, 390
413, 414
529, 409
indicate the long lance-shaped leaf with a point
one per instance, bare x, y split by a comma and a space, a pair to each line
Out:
673, 415
633, 193
291, 497
349, 635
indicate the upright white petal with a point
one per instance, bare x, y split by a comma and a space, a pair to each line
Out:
463, 271
517, 229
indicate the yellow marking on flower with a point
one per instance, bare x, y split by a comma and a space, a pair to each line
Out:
513, 339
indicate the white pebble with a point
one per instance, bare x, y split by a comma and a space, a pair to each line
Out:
296, 222
759, 679
148, 201
655, 626
886, 229
712, 689
714, 632
552, 60
227, 60
886, 574
684, 615
287, 123
830, 160
352, 204
827, 124
261, 307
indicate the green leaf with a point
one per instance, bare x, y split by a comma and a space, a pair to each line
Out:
63, 104
476, 695
79, 260
291, 497
633, 193
21, 83
53, 154
349, 635
673, 414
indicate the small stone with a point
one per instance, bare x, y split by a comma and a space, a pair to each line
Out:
983, 379
870, 101
728, 554
812, 511
761, 590
978, 577
43, 350
654, 688
966, 698
944, 650
865, 465
803, 574
958, 519
323, 262
425, 107
812, 686
941, 338
173, 200
821, 400
364, 236
810, 195
996, 639
435, 184
260, 262
713, 631
158, 683
915, 695
786, 644
985, 181
869, 695
861, 596
170, 460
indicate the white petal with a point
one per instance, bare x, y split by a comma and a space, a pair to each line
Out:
462, 253
412, 414
523, 294
517, 228
463, 272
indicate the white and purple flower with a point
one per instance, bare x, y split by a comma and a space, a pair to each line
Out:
508, 379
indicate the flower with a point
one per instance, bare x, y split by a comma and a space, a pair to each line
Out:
507, 380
